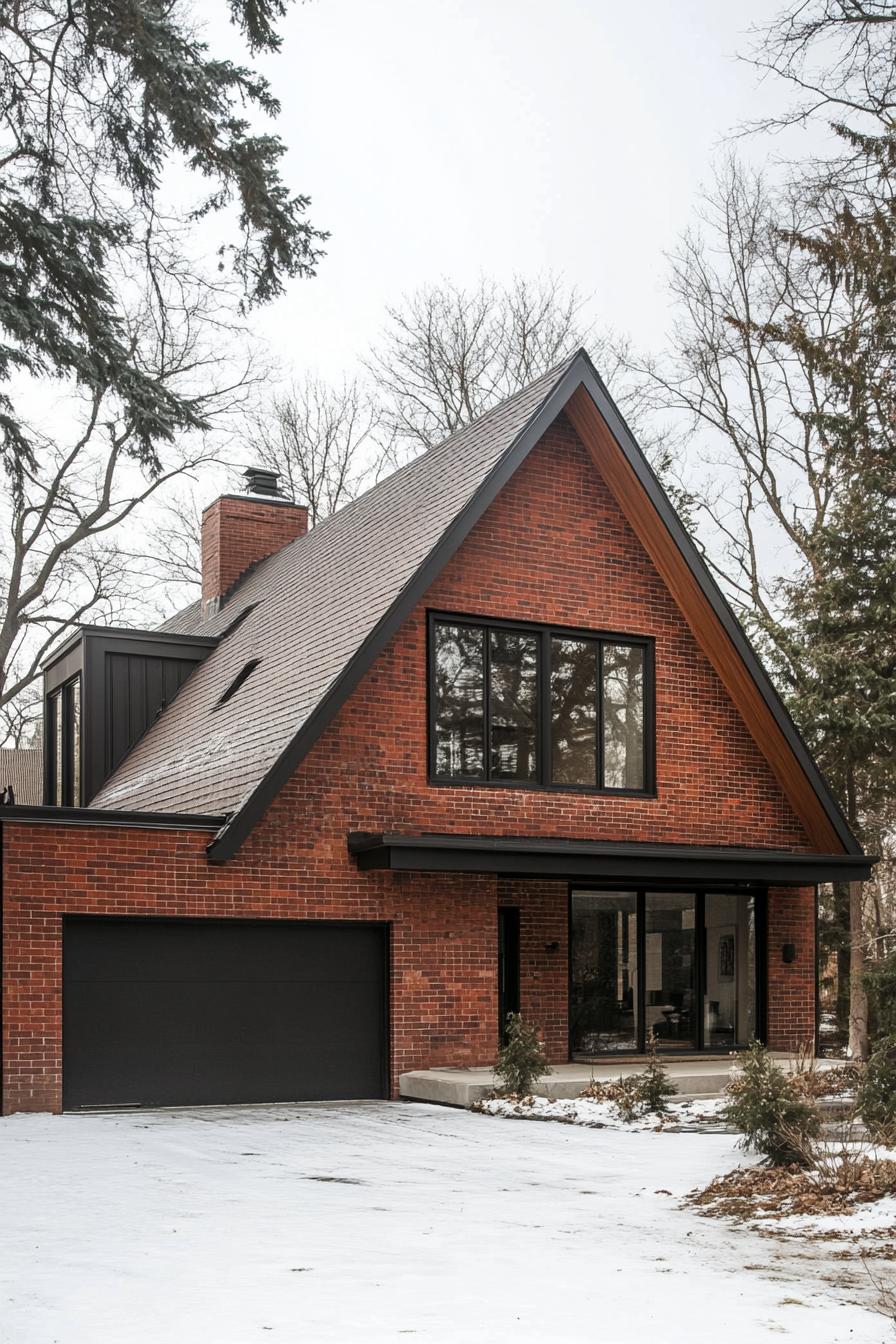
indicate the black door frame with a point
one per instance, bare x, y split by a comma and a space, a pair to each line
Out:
760, 896
508, 959
383, 924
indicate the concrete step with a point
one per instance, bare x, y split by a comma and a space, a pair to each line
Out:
694, 1078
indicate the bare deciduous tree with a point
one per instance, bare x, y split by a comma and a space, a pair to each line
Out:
323, 443
762, 407
839, 56
448, 353
66, 555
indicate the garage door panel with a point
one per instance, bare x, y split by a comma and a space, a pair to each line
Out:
170, 1013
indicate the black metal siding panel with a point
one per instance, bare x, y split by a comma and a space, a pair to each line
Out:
190, 1012
137, 687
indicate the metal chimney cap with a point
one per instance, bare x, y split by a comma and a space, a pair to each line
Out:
261, 481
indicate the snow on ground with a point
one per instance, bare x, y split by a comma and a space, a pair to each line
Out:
382, 1222
876, 1216
604, 1114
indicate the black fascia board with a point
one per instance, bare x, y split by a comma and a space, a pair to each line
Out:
101, 816
598, 861
580, 372
617, 426
150, 639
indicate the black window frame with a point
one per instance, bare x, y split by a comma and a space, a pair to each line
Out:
546, 632
61, 701
699, 891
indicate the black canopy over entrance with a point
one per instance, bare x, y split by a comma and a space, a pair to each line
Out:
604, 860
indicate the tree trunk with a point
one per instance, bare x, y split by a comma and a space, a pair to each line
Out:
858, 997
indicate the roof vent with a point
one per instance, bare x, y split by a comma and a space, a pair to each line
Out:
243, 675
260, 481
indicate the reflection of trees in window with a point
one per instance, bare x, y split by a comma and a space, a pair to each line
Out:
459, 703
499, 692
574, 711
513, 704
64, 784
623, 715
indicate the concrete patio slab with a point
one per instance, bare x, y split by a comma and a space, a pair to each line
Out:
705, 1077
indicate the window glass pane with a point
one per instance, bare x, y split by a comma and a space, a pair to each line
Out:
459, 718
730, 961
56, 745
513, 702
574, 711
604, 972
670, 969
623, 710
76, 742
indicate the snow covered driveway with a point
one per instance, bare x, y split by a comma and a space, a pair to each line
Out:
385, 1222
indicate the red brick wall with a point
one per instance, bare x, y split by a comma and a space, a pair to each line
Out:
791, 987
443, 935
237, 533
554, 547
544, 968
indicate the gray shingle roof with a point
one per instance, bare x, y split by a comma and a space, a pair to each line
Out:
318, 600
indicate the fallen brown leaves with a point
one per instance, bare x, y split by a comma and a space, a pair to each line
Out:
812, 1083
779, 1192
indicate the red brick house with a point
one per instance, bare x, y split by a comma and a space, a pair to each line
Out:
488, 738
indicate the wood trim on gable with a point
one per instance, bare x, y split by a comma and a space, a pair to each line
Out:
703, 621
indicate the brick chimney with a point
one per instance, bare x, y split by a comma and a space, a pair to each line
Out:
240, 530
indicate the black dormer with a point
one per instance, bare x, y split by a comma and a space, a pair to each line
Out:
102, 690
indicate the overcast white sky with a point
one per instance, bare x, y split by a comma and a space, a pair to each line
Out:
459, 137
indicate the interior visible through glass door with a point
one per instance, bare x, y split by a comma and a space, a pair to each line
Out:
603, 973
670, 967
729, 1003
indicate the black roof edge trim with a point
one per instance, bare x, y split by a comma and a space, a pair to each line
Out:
604, 860
720, 605
249, 813
125, 632
100, 816
579, 372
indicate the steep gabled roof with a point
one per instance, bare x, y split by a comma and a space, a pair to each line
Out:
326, 606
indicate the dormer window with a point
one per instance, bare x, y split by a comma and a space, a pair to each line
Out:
532, 705
64, 742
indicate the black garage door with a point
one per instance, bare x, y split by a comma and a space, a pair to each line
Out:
160, 1012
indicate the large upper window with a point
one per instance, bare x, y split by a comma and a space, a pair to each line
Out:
533, 705
64, 743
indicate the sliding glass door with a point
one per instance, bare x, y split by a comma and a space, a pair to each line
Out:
678, 966
670, 970
604, 992
729, 1001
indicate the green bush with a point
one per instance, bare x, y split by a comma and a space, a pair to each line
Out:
655, 1084
876, 1092
763, 1104
521, 1060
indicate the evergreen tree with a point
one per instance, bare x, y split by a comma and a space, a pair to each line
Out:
99, 100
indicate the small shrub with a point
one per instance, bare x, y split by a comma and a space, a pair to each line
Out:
636, 1094
656, 1085
521, 1060
628, 1099
773, 1120
876, 1092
